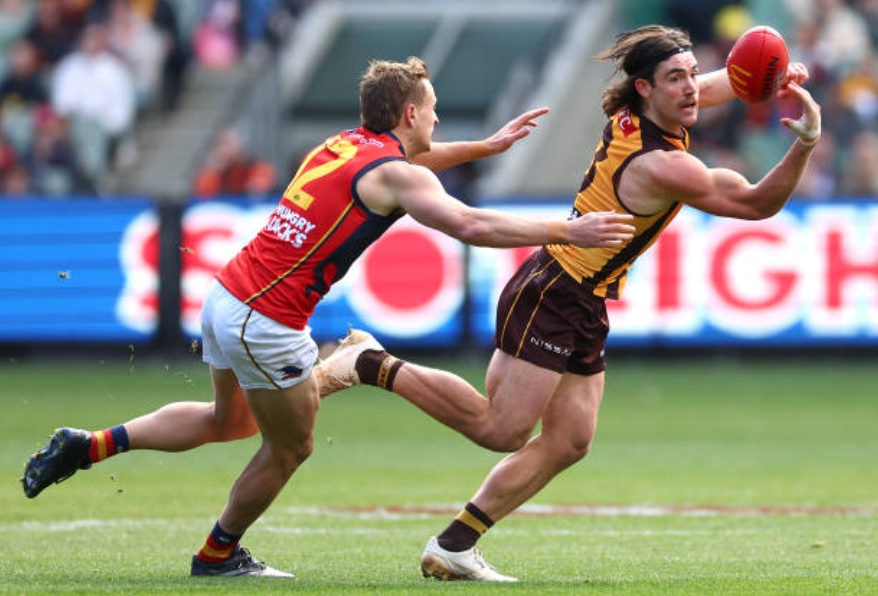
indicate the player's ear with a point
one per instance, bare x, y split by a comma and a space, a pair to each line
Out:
643, 87
408, 114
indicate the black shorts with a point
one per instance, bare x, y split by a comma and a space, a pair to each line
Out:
547, 318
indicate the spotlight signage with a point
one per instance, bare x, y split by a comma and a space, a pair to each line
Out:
407, 288
807, 276
89, 270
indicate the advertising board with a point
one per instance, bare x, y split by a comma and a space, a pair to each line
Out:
78, 270
807, 276
89, 270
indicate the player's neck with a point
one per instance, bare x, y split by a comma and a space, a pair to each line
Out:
406, 139
670, 126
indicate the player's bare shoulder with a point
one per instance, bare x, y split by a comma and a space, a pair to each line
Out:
379, 188
395, 184
662, 177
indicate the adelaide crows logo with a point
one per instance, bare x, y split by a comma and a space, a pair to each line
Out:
290, 372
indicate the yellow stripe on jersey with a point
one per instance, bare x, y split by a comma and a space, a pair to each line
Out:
605, 269
307, 256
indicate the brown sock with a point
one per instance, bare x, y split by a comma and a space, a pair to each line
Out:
378, 368
465, 530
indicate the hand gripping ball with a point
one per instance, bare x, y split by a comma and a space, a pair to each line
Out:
757, 63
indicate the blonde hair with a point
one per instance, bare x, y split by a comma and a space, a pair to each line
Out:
638, 53
387, 87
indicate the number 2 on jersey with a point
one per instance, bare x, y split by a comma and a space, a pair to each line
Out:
344, 150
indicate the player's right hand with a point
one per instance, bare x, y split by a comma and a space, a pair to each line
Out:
600, 228
797, 73
513, 131
807, 127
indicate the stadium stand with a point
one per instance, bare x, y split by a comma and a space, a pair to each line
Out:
282, 73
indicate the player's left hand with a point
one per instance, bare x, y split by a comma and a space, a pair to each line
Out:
796, 73
807, 127
514, 130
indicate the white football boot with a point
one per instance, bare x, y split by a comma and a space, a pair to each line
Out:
465, 565
339, 370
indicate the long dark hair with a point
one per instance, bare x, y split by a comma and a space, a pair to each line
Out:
637, 53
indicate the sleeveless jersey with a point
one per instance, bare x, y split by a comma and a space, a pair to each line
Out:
319, 227
605, 269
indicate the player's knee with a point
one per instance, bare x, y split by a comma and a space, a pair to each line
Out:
289, 457
300, 452
505, 438
576, 448
505, 444
305, 449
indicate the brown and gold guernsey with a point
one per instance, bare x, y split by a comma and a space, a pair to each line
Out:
605, 269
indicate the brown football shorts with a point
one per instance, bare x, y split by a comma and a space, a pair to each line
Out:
546, 317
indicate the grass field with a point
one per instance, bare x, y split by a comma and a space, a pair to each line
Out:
730, 478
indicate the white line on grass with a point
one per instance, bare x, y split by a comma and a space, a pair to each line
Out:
424, 512
274, 527
535, 510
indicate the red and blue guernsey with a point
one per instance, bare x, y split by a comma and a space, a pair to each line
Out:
316, 231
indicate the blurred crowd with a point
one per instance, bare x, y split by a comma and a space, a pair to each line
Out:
837, 40
76, 75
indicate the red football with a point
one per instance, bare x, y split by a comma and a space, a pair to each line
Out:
757, 63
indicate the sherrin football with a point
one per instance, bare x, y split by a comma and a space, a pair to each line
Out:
757, 63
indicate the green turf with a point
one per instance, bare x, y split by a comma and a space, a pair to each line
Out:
671, 434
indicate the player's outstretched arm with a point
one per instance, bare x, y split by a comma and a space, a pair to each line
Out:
442, 156
714, 87
419, 192
682, 177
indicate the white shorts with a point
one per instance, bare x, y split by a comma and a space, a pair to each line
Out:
262, 353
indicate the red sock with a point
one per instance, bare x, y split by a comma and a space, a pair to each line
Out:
107, 443
218, 546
